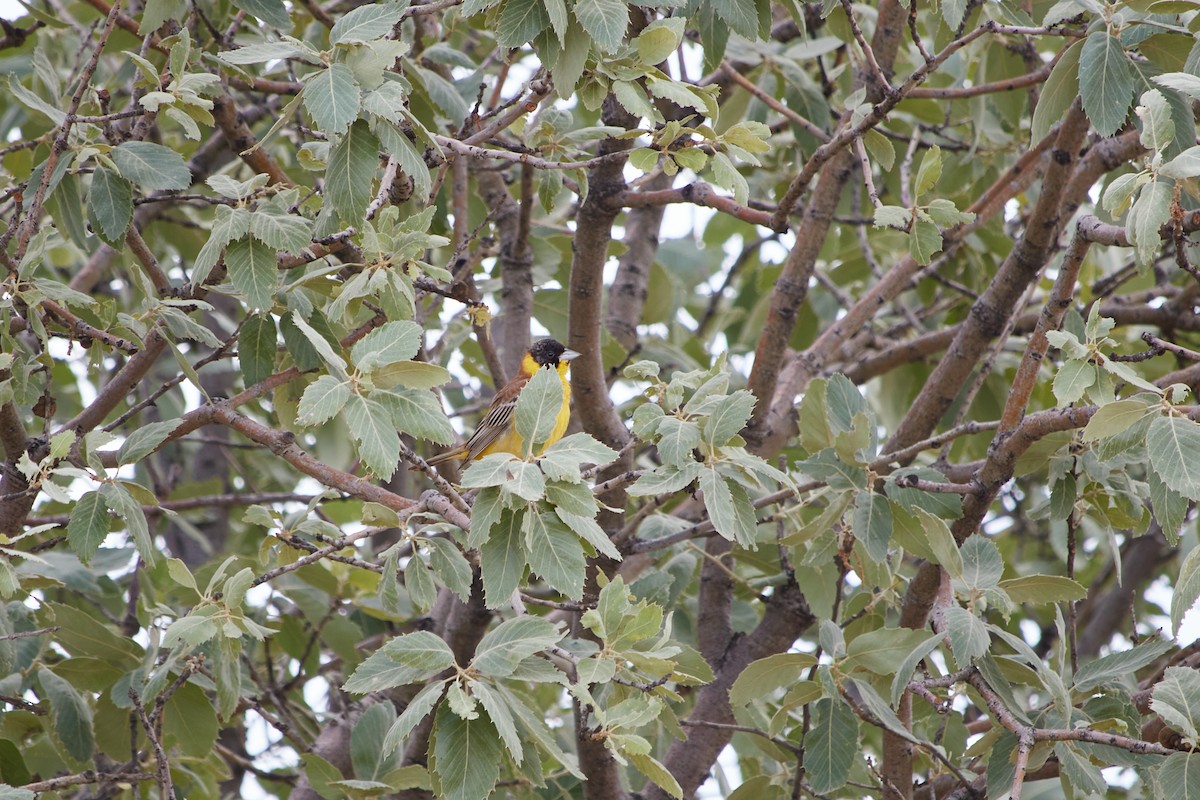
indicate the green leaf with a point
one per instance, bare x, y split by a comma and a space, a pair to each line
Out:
1149, 213
332, 98
677, 439
880, 650
562, 460
1072, 380
830, 745
110, 206
145, 440
1106, 82
1043, 589
366, 23
70, 716
1187, 589
909, 664
411, 658
369, 761
555, 553
659, 39
872, 522
764, 676
451, 567
1184, 165
387, 344
587, 529
502, 559
1180, 773
130, 511
666, 480
1176, 699
719, 502
1058, 93
929, 172
511, 642
538, 409
253, 272
319, 344
968, 635
656, 772
411, 375
1158, 128
520, 22
983, 566
151, 166
322, 400
466, 756
729, 417
1118, 669
228, 224
1172, 444
417, 413
924, 242
350, 176
370, 424
604, 20
281, 231
1170, 507
272, 12
88, 526
417, 710
269, 51
1114, 418
892, 217
257, 348
741, 15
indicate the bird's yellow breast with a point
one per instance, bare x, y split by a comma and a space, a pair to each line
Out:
511, 442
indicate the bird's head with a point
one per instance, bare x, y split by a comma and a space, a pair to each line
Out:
550, 352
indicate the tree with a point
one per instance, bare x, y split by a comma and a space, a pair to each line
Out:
884, 445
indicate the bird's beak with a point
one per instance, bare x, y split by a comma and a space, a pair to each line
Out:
568, 355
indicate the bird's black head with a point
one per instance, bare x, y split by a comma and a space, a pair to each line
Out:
547, 352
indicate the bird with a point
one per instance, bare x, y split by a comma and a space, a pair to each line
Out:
497, 433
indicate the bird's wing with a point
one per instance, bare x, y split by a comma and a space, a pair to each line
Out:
493, 426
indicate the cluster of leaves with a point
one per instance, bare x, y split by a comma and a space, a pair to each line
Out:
923, 222
694, 421
485, 707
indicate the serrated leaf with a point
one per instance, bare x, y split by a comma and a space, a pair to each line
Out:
370, 423
417, 413
145, 440
411, 658
538, 409
604, 20
350, 176
968, 635
555, 553
511, 642
1172, 444
466, 756
1176, 699
521, 21
366, 23
332, 98
1114, 418
272, 12
502, 559
281, 231
256, 351
1106, 82
323, 399
830, 745
70, 715
387, 344
727, 418
872, 521
254, 272
1043, 589
110, 206
1072, 380
762, 677
1118, 669
1187, 589
88, 526
151, 166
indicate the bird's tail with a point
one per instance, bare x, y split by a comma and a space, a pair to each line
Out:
459, 452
